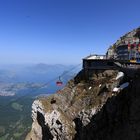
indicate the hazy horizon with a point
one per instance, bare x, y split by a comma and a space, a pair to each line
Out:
35, 64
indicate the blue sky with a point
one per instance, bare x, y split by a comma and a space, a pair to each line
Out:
62, 31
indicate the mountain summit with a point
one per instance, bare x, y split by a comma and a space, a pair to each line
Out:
103, 106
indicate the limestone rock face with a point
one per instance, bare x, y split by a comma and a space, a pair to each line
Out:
49, 123
56, 117
89, 110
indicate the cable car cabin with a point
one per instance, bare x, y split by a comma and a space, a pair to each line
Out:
59, 83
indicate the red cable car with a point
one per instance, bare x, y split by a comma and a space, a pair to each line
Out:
59, 82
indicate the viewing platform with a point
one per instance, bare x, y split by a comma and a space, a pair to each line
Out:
101, 62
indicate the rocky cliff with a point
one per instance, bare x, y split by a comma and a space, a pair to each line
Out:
88, 110
107, 107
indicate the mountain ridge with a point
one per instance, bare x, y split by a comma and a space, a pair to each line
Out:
91, 109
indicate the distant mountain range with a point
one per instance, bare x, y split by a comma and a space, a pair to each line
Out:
35, 73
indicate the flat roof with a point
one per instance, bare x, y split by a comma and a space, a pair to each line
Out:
94, 57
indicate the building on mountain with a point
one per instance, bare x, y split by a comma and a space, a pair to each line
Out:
122, 52
93, 61
128, 52
96, 62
